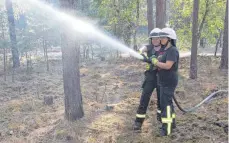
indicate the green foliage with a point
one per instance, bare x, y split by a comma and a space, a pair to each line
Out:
181, 20
120, 16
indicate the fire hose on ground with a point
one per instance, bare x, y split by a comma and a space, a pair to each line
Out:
207, 99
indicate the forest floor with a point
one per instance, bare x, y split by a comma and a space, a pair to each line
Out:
25, 119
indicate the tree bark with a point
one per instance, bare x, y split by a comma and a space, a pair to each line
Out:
136, 25
87, 52
165, 14
4, 51
150, 15
14, 49
193, 63
160, 13
4, 63
128, 33
71, 74
84, 52
204, 19
46, 53
46, 56
92, 52
116, 12
27, 62
217, 43
224, 55
220, 42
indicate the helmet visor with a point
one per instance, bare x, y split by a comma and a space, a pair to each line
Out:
154, 35
163, 34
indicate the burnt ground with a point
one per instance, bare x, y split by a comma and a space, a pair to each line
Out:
24, 117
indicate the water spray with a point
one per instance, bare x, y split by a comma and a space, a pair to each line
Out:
81, 27
88, 29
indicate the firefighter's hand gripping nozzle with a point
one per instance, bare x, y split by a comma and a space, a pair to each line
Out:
145, 59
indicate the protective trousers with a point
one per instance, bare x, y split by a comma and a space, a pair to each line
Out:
167, 109
148, 88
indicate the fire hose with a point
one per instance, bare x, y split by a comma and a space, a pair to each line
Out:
207, 99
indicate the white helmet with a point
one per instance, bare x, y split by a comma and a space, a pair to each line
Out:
168, 32
155, 33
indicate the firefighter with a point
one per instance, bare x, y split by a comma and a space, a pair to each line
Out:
168, 78
150, 82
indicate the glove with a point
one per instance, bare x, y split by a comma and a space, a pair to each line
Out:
148, 66
142, 50
145, 59
154, 60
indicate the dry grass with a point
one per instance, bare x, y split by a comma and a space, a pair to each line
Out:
24, 118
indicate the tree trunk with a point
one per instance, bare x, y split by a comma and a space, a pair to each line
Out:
27, 62
193, 63
92, 52
202, 42
4, 53
87, 52
203, 20
84, 52
13, 74
7, 56
127, 35
150, 15
220, 42
71, 74
160, 14
4, 63
224, 55
30, 61
165, 15
216, 47
14, 49
217, 43
38, 47
80, 52
136, 25
45, 48
115, 30
46, 56
167, 10
43, 43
